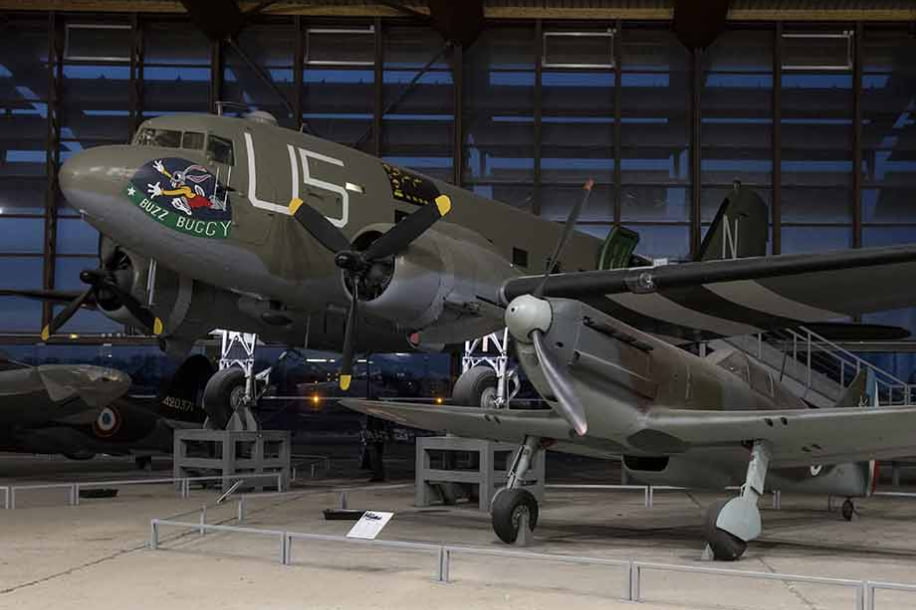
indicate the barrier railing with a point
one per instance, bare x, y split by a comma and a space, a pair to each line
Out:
183, 483
865, 598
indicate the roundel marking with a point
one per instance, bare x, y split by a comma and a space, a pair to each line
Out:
107, 423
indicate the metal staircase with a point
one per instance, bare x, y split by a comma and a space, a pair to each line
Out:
816, 369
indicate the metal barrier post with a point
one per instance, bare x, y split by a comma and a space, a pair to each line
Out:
860, 596
76, 494
869, 595
241, 511
645, 501
285, 544
629, 583
12, 501
634, 582
154, 534
203, 519
6, 498
280, 481
444, 559
186, 490
651, 497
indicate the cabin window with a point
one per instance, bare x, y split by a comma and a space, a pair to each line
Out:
220, 150
519, 257
166, 138
193, 140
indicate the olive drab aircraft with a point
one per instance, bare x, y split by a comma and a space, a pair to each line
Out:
223, 222
82, 410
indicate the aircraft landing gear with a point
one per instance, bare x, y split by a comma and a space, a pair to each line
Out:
731, 525
515, 507
848, 509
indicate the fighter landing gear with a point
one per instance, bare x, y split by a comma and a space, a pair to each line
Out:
514, 510
848, 510
731, 525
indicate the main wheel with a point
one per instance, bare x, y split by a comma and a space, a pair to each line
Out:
223, 394
848, 509
725, 546
476, 387
507, 510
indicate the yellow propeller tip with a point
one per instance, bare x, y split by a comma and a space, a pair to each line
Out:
45, 333
158, 327
294, 205
345, 382
444, 204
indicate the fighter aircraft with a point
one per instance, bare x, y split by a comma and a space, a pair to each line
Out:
676, 418
82, 410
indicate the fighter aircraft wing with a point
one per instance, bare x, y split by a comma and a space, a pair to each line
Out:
711, 299
491, 424
798, 437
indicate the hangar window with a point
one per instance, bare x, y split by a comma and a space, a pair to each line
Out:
166, 138
340, 46
578, 50
519, 257
817, 50
220, 150
97, 42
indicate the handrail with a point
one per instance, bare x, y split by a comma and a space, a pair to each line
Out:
864, 596
184, 483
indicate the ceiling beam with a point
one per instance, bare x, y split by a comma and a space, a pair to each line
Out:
370, 9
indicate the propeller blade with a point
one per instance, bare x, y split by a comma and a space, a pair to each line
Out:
568, 404
318, 226
398, 237
143, 315
346, 358
568, 229
54, 296
67, 313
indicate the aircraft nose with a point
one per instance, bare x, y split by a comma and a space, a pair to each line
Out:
88, 178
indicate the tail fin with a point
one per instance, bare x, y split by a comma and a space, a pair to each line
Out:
181, 397
740, 229
856, 394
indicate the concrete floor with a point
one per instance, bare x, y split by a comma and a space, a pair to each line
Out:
95, 556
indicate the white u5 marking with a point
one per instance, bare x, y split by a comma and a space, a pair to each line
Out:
304, 155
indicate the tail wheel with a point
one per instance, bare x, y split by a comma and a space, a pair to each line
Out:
507, 510
725, 546
476, 387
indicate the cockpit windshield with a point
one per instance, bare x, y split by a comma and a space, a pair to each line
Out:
166, 138
218, 149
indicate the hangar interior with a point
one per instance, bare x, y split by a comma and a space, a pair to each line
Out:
810, 104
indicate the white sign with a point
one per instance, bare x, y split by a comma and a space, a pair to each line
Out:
370, 525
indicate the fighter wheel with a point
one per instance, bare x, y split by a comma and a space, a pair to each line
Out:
507, 510
725, 546
476, 387
223, 394
848, 509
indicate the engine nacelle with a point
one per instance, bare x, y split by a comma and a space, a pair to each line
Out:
443, 281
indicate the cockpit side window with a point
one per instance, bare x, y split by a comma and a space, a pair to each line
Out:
193, 140
166, 138
220, 150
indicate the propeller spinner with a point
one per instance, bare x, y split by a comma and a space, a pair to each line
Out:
364, 267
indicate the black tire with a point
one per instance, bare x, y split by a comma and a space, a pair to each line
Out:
848, 509
473, 385
507, 510
220, 394
725, 546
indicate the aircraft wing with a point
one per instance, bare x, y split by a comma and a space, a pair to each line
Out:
799, 437
490, 424
712, 299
